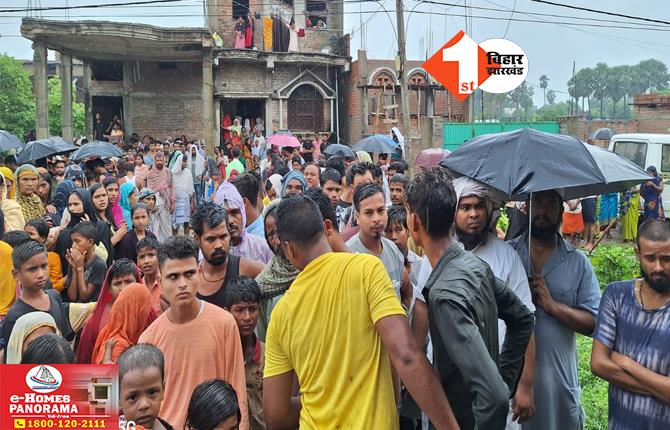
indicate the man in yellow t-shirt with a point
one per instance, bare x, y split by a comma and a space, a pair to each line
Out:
335, 329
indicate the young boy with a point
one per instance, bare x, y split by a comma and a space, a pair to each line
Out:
147, 261
87, 270
38, 230
242, 298
142, 387
398, 233
31, 272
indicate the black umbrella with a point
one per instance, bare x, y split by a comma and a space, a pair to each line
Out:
602, 134
98, 149
524, 161
8, 141
379, 143
43, 148
340, 150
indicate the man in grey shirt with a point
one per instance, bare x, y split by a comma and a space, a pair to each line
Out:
370, 205
465, 301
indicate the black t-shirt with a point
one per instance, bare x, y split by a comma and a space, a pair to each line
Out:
100, 130
308, 156
57, 309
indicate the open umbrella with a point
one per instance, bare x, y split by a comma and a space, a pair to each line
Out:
521, 162
379, 143
602, 134
8, 141
284, 140
43, 148
429, 158
339, 150
98, 149
524, 161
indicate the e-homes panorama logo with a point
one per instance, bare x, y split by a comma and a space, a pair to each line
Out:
43, 379
462, 65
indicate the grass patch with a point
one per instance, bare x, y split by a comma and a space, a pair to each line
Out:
594, 389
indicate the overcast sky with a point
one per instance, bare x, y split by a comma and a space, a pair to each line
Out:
551, 48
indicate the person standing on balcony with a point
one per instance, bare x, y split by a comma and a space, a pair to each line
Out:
249, 32
293, 37
240, 33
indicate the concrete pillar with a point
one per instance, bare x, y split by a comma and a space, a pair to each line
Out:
299, 8
41, 89
208, 101
66, 96
88, 101
128, 81
364, 112
217, 122
269, 116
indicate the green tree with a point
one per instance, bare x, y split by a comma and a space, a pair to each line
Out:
616, 85
580, 86
17, 104
653, 74
551, 97
599, 84
551, 112
520, 98
55, 100
544, 83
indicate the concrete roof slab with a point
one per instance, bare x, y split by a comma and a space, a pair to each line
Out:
105, 40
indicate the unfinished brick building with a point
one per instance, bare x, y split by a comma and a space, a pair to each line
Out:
372, 98
182, 81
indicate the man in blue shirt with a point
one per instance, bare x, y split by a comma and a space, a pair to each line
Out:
565, 292
250, 189
631, 347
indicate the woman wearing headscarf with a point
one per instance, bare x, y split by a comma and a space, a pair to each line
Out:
273, 191
26, 329
293, 183
363, 157
75, 174
128, 318
651, 192
9, 176
159, 180
26, 178
11, 209
127, 199
103, 307
182, 181
103, 239
63, 191
112, 187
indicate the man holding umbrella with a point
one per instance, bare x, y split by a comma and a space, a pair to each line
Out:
566, 294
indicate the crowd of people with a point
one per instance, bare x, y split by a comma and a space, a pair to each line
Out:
291, 290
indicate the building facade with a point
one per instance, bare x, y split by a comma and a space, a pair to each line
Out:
372, 99
168, 82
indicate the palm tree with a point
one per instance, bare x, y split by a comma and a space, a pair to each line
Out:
544, 83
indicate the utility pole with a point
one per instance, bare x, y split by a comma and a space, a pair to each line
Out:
404, 103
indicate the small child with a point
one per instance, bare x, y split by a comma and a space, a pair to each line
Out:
147, 262
213, 405
38, 230
242, 298
87, 270
31, 271
398, 233
142, 387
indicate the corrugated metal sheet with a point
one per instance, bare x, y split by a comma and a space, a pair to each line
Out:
457, 133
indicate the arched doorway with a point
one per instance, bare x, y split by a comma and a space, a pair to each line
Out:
305, 109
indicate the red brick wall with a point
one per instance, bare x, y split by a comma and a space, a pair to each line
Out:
167, 102
653, 113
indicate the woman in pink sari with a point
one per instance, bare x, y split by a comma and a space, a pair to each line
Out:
240, 33
249, 33
111, 185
